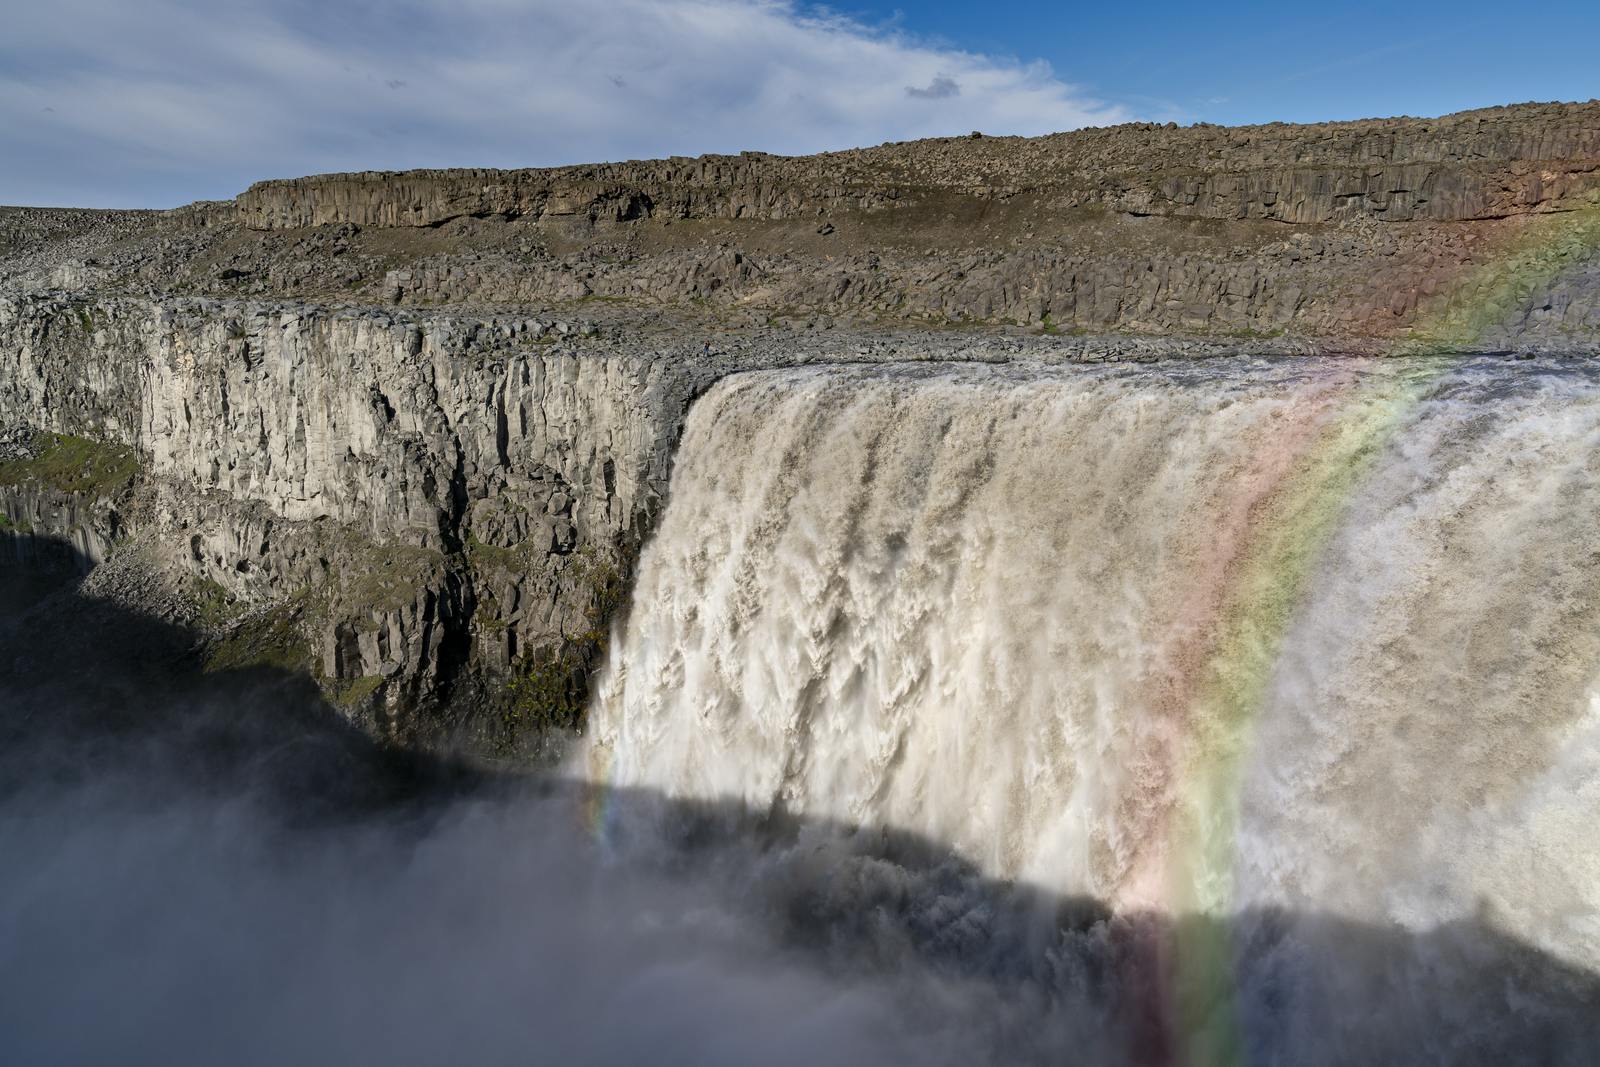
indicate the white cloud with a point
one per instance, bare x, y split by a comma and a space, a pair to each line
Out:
158, 102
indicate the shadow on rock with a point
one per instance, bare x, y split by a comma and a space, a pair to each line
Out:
95, 689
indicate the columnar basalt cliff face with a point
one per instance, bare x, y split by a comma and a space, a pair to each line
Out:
401, 487
436, 511
1475, 165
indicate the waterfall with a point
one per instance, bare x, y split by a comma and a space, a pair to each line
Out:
1299, 637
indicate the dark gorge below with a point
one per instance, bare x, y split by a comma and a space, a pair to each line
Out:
220, 868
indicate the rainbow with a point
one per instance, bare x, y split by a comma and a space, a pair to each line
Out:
596, 808
1261, 581
1232, 623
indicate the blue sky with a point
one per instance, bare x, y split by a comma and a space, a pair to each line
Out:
154, 103
1255, 61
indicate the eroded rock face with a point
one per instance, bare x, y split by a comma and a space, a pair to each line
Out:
1338, 286
1341, 232
37, 519
60, 497
405, 486
1475, 165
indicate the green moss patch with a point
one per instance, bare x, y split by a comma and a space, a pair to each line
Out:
213, 607
270, 639
482, 556
549, 690
607, 589
389, 578
354, 692
73, 465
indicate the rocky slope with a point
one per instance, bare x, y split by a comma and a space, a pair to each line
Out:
435, 510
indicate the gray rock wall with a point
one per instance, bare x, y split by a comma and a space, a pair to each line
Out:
42, 525
412, 490
1474, 165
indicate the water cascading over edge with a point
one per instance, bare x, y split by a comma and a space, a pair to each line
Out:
1186, 640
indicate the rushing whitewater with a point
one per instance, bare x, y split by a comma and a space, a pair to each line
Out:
1314, 639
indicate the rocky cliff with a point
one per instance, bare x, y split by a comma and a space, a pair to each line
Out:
401, 494
435, 509
1347, 233
1474, 165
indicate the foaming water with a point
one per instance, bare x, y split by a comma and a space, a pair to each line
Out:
1214, 640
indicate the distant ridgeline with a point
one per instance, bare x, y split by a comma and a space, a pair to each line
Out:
1342, 236
1471, 166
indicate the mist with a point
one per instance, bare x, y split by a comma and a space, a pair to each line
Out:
214, 868
205, 932
146, 922
203, 870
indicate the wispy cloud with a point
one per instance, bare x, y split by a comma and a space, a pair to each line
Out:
169, 100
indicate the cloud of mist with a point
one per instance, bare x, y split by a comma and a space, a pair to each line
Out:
153, 104
200, 928
209, 868
197, 935
216, 869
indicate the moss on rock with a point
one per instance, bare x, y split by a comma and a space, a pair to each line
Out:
388, 577
548, 690
72, 465
353, 692
270, 638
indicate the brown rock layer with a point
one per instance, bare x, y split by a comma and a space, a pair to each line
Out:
1474, 165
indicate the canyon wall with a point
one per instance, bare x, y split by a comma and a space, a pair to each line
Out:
1353, 235
406, 495
1474, 165
407, 432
